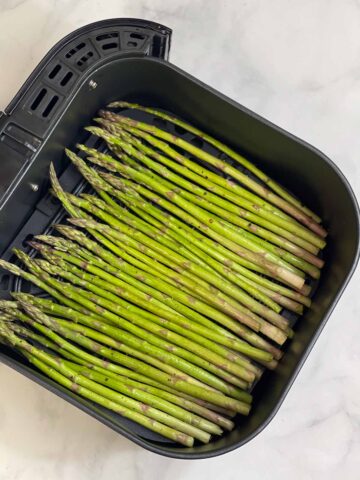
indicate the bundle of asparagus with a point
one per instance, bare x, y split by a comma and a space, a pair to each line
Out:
167, 284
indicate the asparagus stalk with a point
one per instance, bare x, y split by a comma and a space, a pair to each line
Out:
187, 326
152, 396
215, 228
234, 192
221, 336
195, 405
200, 407
219, 299
139, 412
228, 151
141, 392
203, 418
175, 381
198, 256
219, 302
221, 207
148, 359
248, 240
266, 264
217, 251
72, 295
268, 297
249, 210
187, 402
272, 331
229, 289
100, 186
234, 326
223, 270
203, 197
214, 363
215, 421
222, 166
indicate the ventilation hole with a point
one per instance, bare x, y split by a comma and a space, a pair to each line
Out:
137, 35
197, 141
50, 106
38, 99
132, 44
26, 287
98, 143
4, 282
84, 59
27, 239
66, 79
54, 71
109, 46
13, 259
160, 122
179, 130
157, 46
105, 36
75, 49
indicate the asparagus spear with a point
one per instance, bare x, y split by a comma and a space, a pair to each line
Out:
216, 266
140, 392
72, 295
132, 235
248, 240
234, 192
228, 151
234, 326
217, 251
215, 228
202, 198
216, 204
155, 397
141, 413
272, 331
223, 337
178, 346
187, 326
247, 209
223, 167
203, 418
175, 381
240, 296
148, 399
222, 301
187, 402
195, 405
196, 255
148, 396
268, 297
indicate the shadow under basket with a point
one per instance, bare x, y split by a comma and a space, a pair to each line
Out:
127, 59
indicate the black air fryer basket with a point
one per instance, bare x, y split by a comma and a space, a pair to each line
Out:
127, 59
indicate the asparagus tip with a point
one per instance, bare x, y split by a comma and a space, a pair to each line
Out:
10, 267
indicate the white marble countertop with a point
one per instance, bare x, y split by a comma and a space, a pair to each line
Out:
298, 64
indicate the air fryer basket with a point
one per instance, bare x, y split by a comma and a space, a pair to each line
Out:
126, 59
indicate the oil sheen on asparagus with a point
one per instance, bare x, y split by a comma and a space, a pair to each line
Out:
165, 288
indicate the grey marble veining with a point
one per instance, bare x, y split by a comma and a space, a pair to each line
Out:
298, 64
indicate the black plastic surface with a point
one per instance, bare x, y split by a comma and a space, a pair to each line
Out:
287, 159
29, 119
